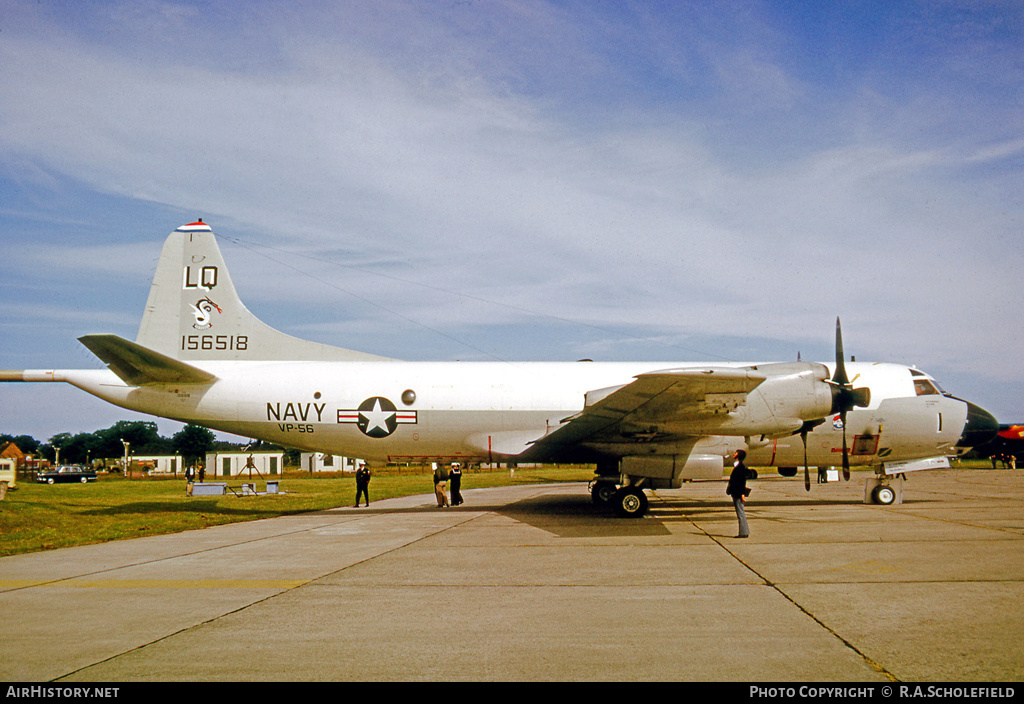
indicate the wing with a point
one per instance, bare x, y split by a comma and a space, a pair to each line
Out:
656, 404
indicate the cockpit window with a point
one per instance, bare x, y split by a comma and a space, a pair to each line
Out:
924, 387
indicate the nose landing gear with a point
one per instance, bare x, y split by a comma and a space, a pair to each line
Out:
884, 490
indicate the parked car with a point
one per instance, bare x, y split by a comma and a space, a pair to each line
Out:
67, 473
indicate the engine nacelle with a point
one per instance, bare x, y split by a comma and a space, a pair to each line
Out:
791, 394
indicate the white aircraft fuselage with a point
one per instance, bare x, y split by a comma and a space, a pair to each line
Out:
494, 411
200, 357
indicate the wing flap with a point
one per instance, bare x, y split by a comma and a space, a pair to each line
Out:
671, 395
689, 393
139, 366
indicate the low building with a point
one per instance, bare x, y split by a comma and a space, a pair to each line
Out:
158, 464
313, 462
233, 464
10, 451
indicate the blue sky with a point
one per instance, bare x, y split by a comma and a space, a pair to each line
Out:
522, 180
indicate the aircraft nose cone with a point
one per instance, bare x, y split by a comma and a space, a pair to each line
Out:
981, 426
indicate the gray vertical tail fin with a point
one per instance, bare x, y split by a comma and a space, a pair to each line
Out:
194, 313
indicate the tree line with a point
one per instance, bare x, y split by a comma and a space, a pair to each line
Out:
191, 442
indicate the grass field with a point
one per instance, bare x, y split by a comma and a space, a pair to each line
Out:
43, 517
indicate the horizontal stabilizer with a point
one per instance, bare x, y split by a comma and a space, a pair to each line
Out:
139, 366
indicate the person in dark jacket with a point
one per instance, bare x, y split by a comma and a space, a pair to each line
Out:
738, 490
362, 483
440, 479
455, 483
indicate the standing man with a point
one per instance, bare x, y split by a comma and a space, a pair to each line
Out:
362, 483
440, 477
455, 481
190, 477
738, 490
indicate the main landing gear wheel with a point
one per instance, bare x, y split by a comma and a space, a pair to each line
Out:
884, 495
603, 493
630, 502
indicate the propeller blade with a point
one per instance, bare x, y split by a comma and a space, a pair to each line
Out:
807, 427
844, 396
846, 452
840, 376
807, 473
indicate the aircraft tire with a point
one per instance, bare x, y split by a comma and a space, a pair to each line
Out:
630, 502
883, 495
603, 493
